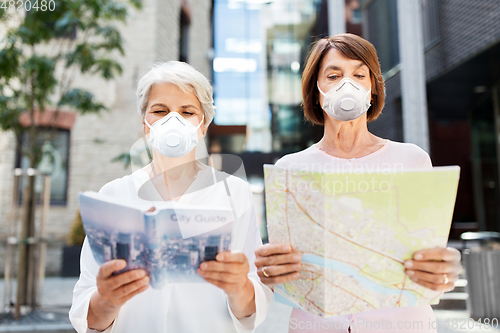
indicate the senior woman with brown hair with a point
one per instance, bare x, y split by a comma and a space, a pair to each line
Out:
343, 90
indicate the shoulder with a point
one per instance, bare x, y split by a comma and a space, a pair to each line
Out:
235, 184
411, 153
122, 186
294, 158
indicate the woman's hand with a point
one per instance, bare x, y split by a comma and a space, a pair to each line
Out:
112, 292
276, 263
436, 269
229, 272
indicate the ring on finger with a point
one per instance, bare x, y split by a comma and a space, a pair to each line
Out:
446, 280
264, 272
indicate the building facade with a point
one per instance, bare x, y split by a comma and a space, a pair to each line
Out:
461, 56
163, 30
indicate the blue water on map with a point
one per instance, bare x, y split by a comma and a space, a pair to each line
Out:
348, 270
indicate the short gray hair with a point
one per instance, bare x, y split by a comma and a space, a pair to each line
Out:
183, 76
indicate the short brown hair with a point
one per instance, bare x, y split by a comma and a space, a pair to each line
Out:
353, 47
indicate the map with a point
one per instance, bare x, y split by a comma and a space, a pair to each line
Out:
354, 232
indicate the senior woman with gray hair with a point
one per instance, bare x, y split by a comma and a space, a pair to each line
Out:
176, 105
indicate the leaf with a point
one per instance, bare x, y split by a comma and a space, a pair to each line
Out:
10, 60
112, 39
82, 101
123, 158
40, 70
108, 68
9, 113
84, 56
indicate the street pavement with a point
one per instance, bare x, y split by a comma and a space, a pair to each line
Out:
57, 294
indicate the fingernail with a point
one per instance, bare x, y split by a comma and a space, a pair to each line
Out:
414, 279
297, 257
203, 266
146, 280
264, 250
418, 256
220, 257
410, 273
297, 266
408, 264
286, 248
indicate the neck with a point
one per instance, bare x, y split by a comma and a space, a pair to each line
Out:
345, 137
174, 167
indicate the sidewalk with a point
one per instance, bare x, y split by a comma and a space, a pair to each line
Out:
52, 317
56, 301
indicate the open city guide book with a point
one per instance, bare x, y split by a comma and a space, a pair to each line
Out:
167, 239
355, 231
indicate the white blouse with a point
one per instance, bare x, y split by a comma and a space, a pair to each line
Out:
181, 307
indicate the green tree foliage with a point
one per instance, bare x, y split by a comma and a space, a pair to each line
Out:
76, 235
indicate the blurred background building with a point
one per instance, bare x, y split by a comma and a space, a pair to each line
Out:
440, 60
85, 145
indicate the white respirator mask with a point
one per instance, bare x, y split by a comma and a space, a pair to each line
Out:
173, 136
346, 101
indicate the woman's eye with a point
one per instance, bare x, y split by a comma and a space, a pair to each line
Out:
333, 77
159, 111
359, 76
188, 113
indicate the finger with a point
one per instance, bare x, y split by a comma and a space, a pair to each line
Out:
448, 254
437, 267
221, 276
132, 294
279, 270
278, 259
432, 278
271, 281
234, 268
438, 287
122, 279
227, 287
270, 249
130, 288
107, 269
237, 257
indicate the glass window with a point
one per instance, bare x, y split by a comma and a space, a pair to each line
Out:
383, 31
184, 37
54, 161
430, 22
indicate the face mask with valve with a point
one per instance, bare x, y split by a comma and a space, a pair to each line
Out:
173, 136
348, 100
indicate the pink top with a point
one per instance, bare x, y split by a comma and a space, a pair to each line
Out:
391, 157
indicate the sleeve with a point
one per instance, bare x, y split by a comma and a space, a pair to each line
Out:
425, 161
86, 285
246, 238
83, 291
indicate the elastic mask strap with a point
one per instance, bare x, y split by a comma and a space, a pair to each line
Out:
201, 122
147, 123
321, 91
